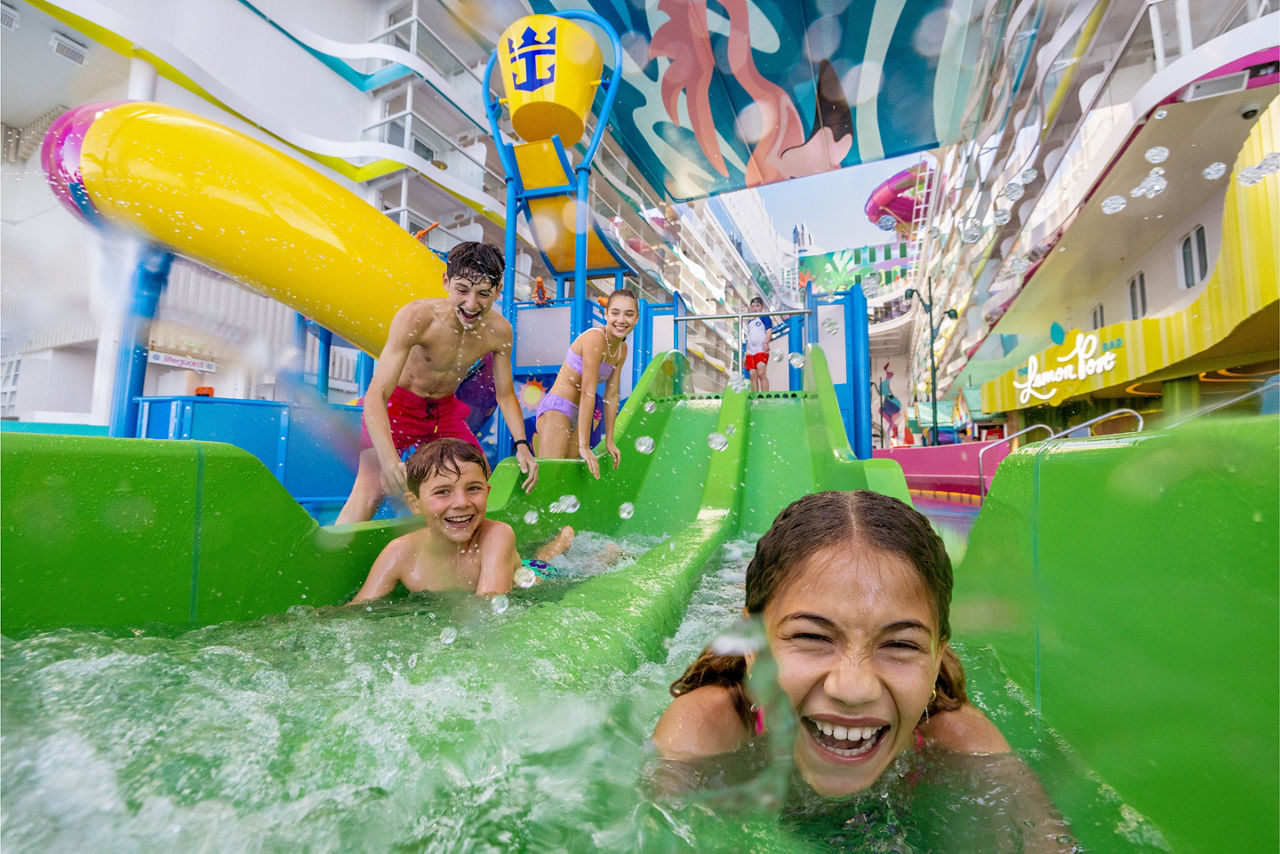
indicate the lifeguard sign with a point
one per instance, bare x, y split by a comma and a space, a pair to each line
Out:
550, 70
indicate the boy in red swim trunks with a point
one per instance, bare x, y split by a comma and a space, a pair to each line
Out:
430, 347
756, 362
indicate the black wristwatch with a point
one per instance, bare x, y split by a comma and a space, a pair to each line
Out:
518, 442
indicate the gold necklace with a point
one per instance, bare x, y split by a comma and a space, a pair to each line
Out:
610, 354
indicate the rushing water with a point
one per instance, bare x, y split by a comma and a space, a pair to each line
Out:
415, 725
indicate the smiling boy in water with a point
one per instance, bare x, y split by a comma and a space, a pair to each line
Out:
458, 548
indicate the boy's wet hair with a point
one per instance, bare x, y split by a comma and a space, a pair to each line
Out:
476, 261
622, 293
443, 455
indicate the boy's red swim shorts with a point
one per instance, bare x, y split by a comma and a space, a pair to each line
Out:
417, 420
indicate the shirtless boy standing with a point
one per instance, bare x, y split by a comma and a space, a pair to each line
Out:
430, 347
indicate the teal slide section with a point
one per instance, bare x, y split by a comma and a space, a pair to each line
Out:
1128, 587
116, 532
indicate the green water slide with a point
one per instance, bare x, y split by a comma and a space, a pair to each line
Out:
115, 532
1128, 587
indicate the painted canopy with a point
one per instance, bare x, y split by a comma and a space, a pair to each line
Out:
718, 95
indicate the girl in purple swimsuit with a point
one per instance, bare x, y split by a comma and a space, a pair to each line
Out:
564, 415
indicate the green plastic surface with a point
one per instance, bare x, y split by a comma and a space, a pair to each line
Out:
116, 532
1128, 586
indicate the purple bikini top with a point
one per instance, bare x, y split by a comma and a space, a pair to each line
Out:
573, 360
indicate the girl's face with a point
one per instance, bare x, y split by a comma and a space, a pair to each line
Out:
855, 637
620, 316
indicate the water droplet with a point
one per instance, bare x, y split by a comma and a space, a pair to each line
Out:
738, 640
777, 356
1154, 185
1013, 191
531, 517
525, 577
934, 232
650, 406
718, 441
872, 279
972, 233
413, 661
831, 325
886, 223
644, 444
1270, 164
500, 603
796, 360
1161, 113
730, 429
449, 635
1028, 175
1019, 265
626, 510
1000, 216
1156, 154
568, 504
1214, 170
738, 383
1249, 176
1113, 204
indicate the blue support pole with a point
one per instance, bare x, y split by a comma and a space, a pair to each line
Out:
299, 375
581, 314
642, 338
149, 280
364, 372
324, 340
795, 344
859, 361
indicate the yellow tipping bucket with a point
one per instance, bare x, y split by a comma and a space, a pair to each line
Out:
550, 70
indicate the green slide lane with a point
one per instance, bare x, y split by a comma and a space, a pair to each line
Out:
1127, 585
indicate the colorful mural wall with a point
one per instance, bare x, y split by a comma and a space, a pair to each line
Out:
722, 95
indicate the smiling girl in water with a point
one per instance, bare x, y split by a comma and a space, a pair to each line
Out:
853, 590
596, 356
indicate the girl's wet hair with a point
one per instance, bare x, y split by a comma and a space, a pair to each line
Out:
620, 293
443, 455
476, 261
850, 520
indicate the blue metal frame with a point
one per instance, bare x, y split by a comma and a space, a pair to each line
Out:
149, 280
576, 186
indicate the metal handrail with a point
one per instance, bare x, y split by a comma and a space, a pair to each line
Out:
1269, 385
737, 356
982, 481
1121, 411
689, 317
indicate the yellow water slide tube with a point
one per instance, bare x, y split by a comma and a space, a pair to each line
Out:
234, 204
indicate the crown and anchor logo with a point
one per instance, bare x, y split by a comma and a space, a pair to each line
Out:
526, 55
